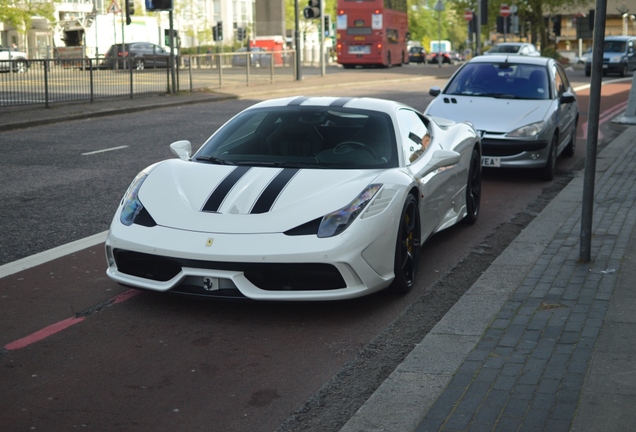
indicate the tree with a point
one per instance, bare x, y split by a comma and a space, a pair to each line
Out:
20, 13
530, 12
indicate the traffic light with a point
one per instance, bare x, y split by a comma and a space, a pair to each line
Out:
484, 12
215, 33
327, 20
312, 10
556, 26
158, 5
240, 33
219, 30
130, 10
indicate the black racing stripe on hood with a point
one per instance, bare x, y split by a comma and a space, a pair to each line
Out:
218, 195
273, 190
298, 101
341, 102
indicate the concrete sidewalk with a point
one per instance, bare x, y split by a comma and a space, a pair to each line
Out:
541, 342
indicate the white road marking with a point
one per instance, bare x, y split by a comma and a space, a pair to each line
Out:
51, 254
104, 150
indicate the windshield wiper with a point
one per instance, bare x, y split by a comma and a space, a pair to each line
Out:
214, 160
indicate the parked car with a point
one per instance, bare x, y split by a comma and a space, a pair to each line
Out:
258, 57
524, 108
446, 57
298, 199
143, 55
618, 56
583, 58
517, 48
417, 55
13, 60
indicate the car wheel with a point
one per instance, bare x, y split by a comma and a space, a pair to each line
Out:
473, 189
20, 67
139, 64
569, 149
624, 70
547, 172
588, 72
407, 248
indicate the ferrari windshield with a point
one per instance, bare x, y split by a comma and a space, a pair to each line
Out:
304, 136
502, 80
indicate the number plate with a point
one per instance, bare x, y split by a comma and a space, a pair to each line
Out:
490, 162
359, 49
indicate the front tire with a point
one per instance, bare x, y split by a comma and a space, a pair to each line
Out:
547, 172
473, 189
568, 151
407, 248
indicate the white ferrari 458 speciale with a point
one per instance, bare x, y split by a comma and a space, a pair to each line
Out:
300, 198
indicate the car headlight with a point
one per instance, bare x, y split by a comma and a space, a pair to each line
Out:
616, 59
130, 203
527, 131
334, 223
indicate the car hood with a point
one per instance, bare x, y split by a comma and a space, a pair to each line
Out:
489, 114
235, 199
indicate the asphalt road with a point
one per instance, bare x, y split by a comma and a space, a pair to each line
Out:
126, 360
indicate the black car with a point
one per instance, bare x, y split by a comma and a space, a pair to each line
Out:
417, 55
143, 55
446, 57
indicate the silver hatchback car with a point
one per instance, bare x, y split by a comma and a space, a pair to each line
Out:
523, 107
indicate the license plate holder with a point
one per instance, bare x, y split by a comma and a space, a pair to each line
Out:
490, 162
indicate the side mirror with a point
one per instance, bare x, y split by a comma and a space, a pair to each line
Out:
435, 91
181, 149
566, 98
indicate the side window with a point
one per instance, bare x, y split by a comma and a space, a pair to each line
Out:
559, 86
564, 78
414, 134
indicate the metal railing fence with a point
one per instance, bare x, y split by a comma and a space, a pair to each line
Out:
52, 81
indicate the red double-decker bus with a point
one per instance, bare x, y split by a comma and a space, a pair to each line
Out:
371, 32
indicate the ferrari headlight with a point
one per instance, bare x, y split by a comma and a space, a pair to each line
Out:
527, 131
334, 223
130, 203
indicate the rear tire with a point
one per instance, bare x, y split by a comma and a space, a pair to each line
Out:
473, 189
407, 248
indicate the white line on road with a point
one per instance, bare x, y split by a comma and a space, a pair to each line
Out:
104, 150
51, 254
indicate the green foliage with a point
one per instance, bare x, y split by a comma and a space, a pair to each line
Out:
20, 13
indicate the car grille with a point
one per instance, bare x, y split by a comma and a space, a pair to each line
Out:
493, 147
269, 277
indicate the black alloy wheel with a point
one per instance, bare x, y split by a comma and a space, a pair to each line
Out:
473, 189
407, 248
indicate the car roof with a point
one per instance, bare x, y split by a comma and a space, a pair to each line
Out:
512, 58
619, 38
